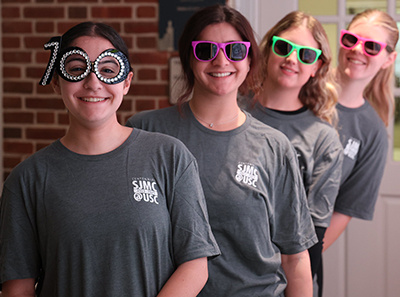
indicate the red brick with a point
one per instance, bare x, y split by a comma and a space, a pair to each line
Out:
45, 27
147, 42
19, 87
11, 162
146, 12
17, 57
41, 13
145, 105
78, 12
10, 42
126, 105
152, 58
45, 118
18, 118
112, 12
77, 1
11, 72
141, 27
44, 133
35, 72
147, 74
14, 1
164, 103
44, 90
53, 104
42, 145
18, 147
62, 119
12, 102
10, 12
12, 133
164, 74
16, 27
141, 1
35, 42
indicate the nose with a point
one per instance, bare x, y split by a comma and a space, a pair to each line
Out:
92, 82
359, 47
292, 58
220, 59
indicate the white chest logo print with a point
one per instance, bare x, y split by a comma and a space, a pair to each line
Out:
351, 148
247, 173
145, 189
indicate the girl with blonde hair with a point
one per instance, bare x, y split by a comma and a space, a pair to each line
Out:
298, 98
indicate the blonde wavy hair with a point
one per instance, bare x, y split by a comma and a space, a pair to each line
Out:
379, 91
319, 93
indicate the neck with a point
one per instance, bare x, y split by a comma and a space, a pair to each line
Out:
220, 114
280, 98
351, 91
90, 141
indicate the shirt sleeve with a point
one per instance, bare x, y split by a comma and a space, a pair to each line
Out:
192, 235
18, 235
325, 181
292, 227
359, 192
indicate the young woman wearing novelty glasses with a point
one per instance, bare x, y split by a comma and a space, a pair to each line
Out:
365, 73
105, 210
298, 98
255, 198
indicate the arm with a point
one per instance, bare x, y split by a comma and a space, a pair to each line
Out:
298, 273
338, 224
187, 280
19, 288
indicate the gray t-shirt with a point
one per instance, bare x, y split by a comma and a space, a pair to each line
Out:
365, 142
320, 156
255, 199
116, 224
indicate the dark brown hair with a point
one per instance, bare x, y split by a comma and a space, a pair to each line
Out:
214, 15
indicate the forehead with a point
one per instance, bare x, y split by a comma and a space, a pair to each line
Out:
300, 35
93, 46
221, 32
370, 30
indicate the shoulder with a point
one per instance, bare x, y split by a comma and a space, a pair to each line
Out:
273, 139
157, 115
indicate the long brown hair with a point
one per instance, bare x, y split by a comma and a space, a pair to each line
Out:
319, 93
379, 91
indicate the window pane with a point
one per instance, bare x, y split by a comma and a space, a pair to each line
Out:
318, 7
396, 132
356, 6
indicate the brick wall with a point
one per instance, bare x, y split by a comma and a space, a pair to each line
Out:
33, 115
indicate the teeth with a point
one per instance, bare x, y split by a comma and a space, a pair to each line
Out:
356, 62
221, 74
92, 99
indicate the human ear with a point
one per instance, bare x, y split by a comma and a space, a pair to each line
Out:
127, 83
56, 85
390, 60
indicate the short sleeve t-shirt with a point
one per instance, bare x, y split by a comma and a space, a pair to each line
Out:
319, 152
254, 195
365, 144
116, 224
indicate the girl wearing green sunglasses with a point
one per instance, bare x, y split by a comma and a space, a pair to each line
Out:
298, 98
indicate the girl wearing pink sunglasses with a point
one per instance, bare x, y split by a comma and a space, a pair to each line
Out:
365, 74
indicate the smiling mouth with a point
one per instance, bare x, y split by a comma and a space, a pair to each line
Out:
357, 62
85, 99
221, 74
